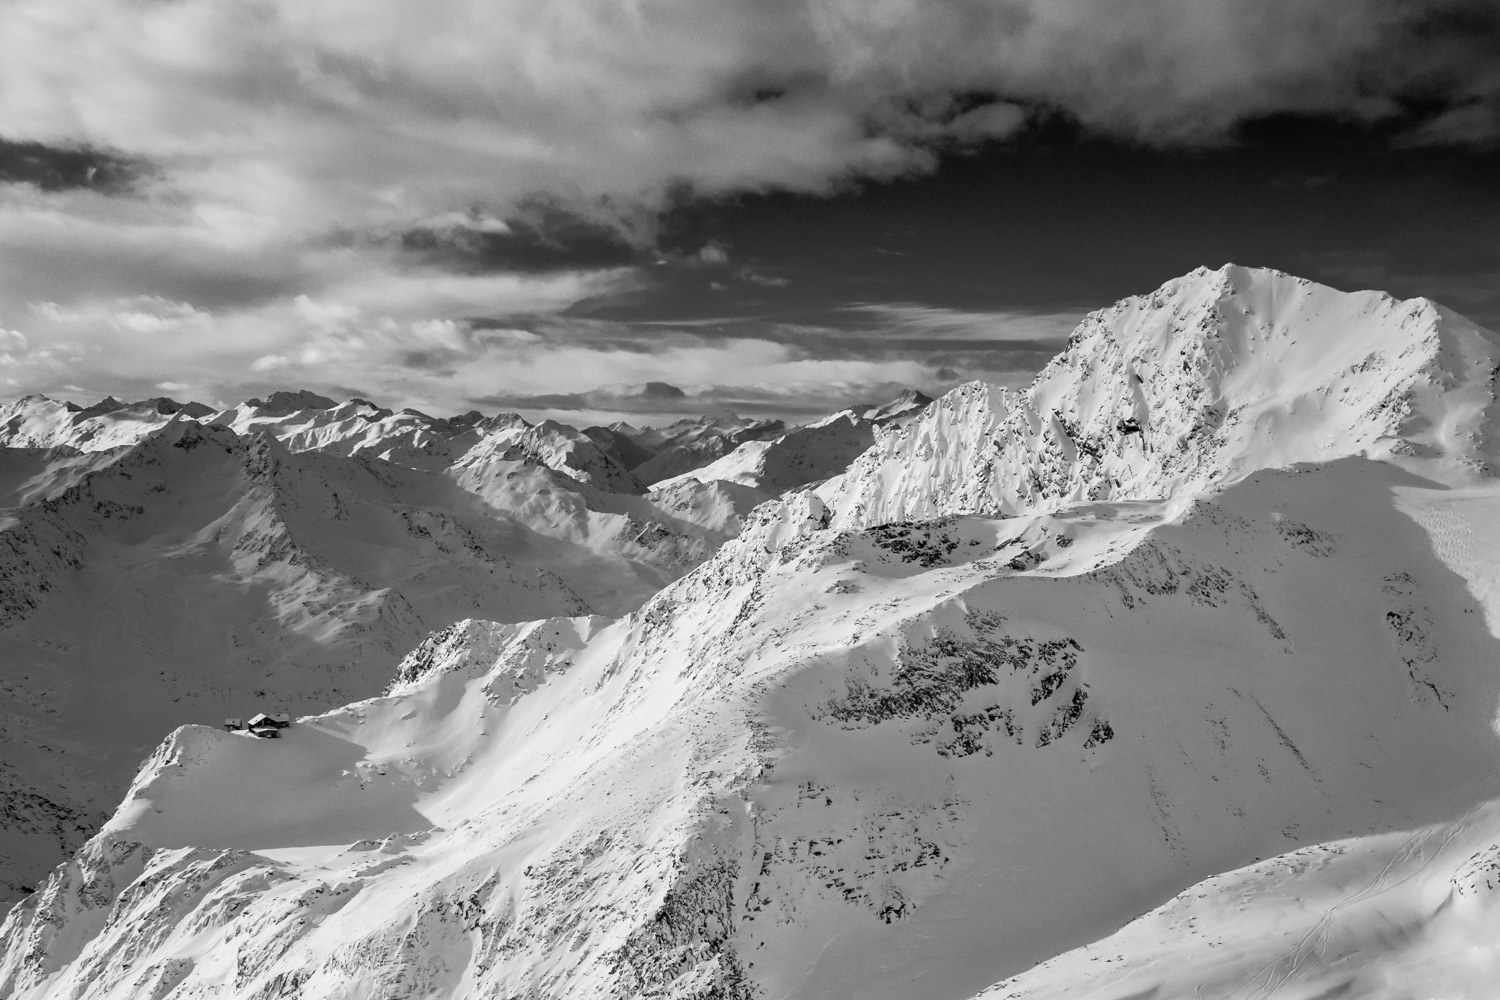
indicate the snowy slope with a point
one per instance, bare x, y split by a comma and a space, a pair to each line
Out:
615, 549
327, 542
691, 444
197, 574
888, 743
1408, 913
867, 764
304, 574
802, 455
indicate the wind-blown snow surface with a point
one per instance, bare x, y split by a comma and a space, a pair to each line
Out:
853, 755
1409, 913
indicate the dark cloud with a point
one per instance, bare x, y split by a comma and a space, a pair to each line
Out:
662, 390
1056, 219
62, 168
1446, 65
437, 363
538, 238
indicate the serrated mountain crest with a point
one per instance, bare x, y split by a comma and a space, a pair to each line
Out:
1212, 376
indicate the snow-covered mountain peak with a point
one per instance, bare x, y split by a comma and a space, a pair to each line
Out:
905, 406
1266, 369
800, 456
554, 446
37, 421
356, 427
1210, 377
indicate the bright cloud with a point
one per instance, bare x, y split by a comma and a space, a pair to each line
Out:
218, 191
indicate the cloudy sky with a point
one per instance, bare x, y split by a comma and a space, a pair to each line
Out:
773, 205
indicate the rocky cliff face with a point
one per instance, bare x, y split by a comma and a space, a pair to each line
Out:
912, 731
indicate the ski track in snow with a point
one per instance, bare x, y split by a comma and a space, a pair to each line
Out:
1406, 863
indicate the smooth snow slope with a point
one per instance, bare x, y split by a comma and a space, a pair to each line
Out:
856, 756
1412, 913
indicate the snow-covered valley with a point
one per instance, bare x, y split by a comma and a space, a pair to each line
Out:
1203, 625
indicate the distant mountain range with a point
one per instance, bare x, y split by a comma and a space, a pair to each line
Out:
162, 562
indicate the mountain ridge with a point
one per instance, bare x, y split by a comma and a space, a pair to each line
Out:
1017, 676
1111, 417
299, 545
